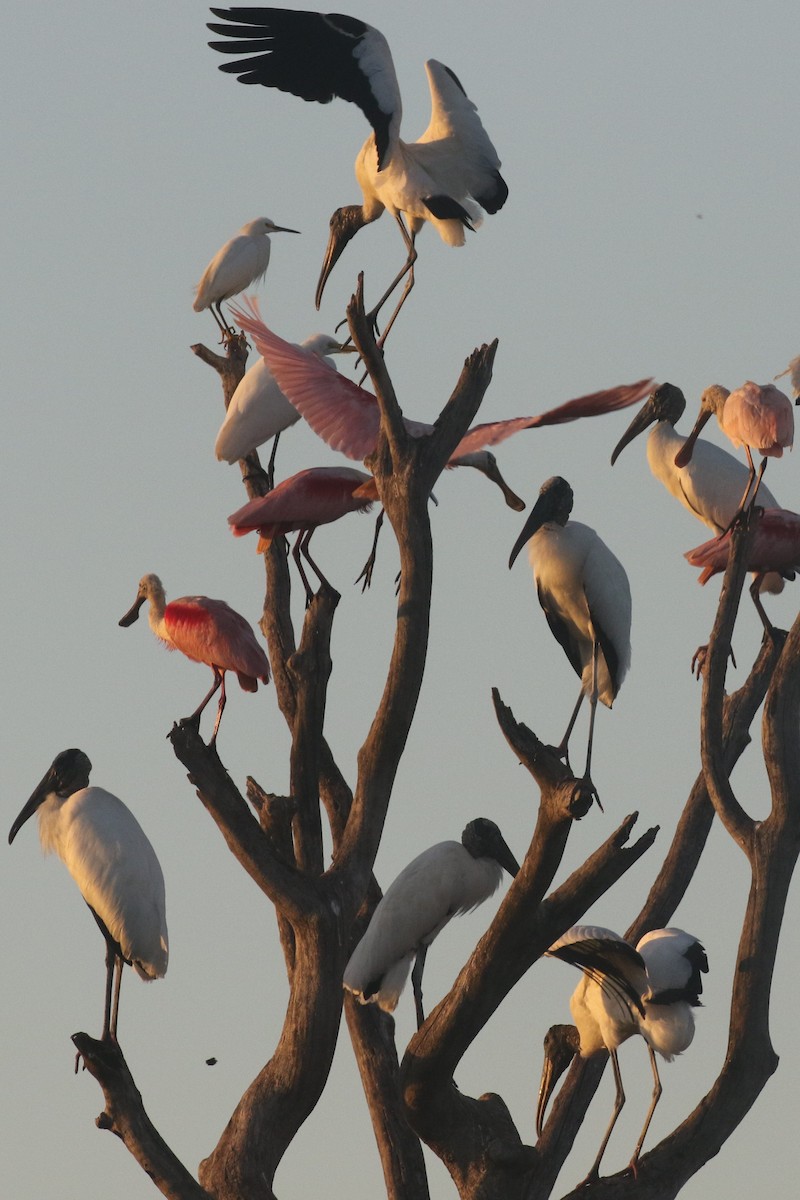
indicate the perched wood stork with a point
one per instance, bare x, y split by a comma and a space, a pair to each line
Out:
446, 177
206, 631
258, 409
711, 483
107, 853
302, 502
447, 879
757, 416
585, 595
347, 416
650, 991
241, 261
775, 547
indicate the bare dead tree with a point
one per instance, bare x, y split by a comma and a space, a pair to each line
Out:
321, 910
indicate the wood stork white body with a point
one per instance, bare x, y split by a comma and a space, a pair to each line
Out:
650, 991
241, 261
446, 177
107, 853
447, 879
585, 595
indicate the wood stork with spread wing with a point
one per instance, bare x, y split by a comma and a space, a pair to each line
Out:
241, 261
585, 595
649, 991
447, 879
446, 177
107, 853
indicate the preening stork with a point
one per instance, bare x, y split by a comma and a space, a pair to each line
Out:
585, 595
109, 856
448, 879
348, 418
206, 631
757, 416
649, 991
240, 262
446, 177
258, 409
302, 502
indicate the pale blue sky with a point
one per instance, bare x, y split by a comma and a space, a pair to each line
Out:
649, 151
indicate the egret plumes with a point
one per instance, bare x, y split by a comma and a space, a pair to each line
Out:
447, 879
446, 178
585, 595
241, 262
107, 853
650, 991
206, 631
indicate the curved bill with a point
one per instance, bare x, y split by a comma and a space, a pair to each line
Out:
646, 416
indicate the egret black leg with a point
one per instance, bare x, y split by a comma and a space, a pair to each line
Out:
416, 983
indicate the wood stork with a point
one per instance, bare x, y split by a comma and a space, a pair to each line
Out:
775, 548
348, 418
711, 484
258, 409
206, 631
302, 502
109, 856
447, 879
650, 991
446, 177
584, 592
757, 416
241, 261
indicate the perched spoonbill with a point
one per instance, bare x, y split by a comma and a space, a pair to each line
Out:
258, 409
348, 418
444, 881
650, 991
757, 416
302, 502
107, 853
207, 631
241, 261
793, 371
584, 592
446, 177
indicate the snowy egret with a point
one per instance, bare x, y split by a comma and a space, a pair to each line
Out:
241, 261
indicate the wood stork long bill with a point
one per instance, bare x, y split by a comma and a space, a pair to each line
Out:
649, 991
107, 853
585, 595
445, 178
447, 879
241, 261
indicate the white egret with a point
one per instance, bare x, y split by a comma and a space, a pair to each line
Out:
241, 261
447, 879
107, 853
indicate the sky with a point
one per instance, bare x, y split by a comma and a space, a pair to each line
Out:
648, 150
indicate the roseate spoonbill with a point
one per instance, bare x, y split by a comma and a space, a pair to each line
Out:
446, 177
241, 261
348, 418
757, 416
107, 853
258, 409
207, 631
584, 592
447, 879
650, 991
302, 502
793, 371
711, 484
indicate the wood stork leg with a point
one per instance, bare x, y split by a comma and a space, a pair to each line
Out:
561, 748
593, 709
618, 1104
406, 272
118, 965
656, 1097
416, 983
111, 958
369, 565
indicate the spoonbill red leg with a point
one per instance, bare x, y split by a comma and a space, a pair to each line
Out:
219, 682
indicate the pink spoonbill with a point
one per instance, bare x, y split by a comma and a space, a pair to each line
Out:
240, 262
793, 371
445, 178
301, 503
109, 856
206, 631
585, 595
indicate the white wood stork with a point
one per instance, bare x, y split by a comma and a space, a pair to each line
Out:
650, 991
241, 261
584, 592
446, 177
107, 853
447, 879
